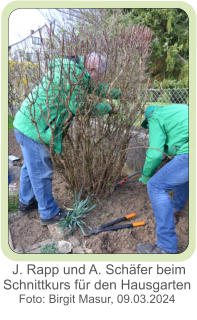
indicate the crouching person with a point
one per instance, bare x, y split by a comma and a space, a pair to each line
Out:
168, 133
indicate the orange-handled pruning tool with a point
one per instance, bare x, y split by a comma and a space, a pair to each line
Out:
109, 226
136, 175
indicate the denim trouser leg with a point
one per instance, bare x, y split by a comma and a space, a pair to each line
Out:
173, 176
180, 195
26, 193
36, 176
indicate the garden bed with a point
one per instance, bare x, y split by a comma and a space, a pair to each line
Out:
130, 197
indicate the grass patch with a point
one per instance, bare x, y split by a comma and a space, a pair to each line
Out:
13, 201
10, 122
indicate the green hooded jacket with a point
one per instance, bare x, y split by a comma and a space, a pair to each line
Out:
168, 133
47, 104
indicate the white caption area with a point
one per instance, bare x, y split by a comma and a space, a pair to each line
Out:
98, 289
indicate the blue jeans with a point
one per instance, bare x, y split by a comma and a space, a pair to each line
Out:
36, 176
173, 176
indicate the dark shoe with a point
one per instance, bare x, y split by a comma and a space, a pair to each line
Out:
61, 215
145, 247
24, 209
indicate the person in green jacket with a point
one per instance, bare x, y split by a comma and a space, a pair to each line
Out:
168, 135
42, 120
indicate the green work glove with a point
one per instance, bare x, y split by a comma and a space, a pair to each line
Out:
100, 109
115, 93
102, 91
145, 179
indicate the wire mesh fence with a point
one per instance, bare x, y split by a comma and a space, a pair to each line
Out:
158, 96
175, 95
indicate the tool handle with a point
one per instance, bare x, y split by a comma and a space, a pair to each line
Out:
109, 228
113, 222
138, 224
127, 178
129, 225
134, 174
130, 215
123, 180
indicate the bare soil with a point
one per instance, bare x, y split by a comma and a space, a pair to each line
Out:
130, 197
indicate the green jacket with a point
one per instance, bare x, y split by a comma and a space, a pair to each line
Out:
168, 133
53, 91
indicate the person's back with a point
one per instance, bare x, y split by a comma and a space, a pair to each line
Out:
174, 122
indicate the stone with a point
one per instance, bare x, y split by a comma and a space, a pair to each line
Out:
64, 246
57, 233
75, 242
78, 250
88, 251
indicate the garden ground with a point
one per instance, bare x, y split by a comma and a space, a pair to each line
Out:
130, 197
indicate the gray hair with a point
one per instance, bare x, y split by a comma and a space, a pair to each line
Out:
102, 65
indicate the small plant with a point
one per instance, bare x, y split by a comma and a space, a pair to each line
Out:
13, 202
49, 248
79, 212
10, 122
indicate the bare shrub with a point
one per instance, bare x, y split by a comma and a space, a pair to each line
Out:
94, 146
